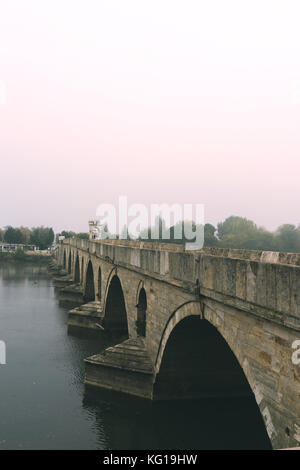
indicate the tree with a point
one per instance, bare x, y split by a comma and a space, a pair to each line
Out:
67, 234
13, 235
287, 238
83, 235
26, 233
239, 232
209, 235
42, 237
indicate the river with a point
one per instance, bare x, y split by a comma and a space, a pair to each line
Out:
45, 405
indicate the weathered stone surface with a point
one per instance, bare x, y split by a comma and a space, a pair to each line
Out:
125, 367
62, 281
251, 298
88, 316
71, 295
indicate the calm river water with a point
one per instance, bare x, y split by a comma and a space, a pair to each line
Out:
45, 405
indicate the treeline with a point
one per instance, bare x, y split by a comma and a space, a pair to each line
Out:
234, 232
239, 232
70, 234
42, 237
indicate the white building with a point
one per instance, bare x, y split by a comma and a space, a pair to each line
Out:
14, 246
94, 230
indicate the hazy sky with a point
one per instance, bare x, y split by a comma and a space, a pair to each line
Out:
162, 101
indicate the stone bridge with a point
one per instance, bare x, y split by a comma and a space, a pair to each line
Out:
207, 323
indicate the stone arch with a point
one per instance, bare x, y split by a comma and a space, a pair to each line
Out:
112, 273
77, 270
89, 288
141, 306
185, 310
70, 263
195, 360
140, 286
115, 318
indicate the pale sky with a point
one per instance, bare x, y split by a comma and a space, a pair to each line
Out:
163, 101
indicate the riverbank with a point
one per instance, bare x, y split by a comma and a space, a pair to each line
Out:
41, 257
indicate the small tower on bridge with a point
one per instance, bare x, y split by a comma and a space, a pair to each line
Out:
94, 231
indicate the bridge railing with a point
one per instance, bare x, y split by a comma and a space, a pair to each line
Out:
265, 283
252, 255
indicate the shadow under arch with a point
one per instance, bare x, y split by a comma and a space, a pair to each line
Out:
82, 270
195, 362
65, 260
77, 270
89, 290
99, 284
70, 263
141, 313
115, 318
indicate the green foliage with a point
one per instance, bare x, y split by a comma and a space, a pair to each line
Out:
42, 237
70, 234
210, 238
83, 235
67, 234
39, 236
238, 232
287, 238
234, 232
13, 235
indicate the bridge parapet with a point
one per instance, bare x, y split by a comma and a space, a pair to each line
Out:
266, 284
275, 257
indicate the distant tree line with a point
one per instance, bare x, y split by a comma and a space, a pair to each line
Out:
239, 232
70, 234
42, 237
234, 232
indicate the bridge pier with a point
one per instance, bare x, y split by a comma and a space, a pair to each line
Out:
88, 316
125, 367
71, 295
63, 280
187, 371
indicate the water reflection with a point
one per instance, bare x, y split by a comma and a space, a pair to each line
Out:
132, 423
